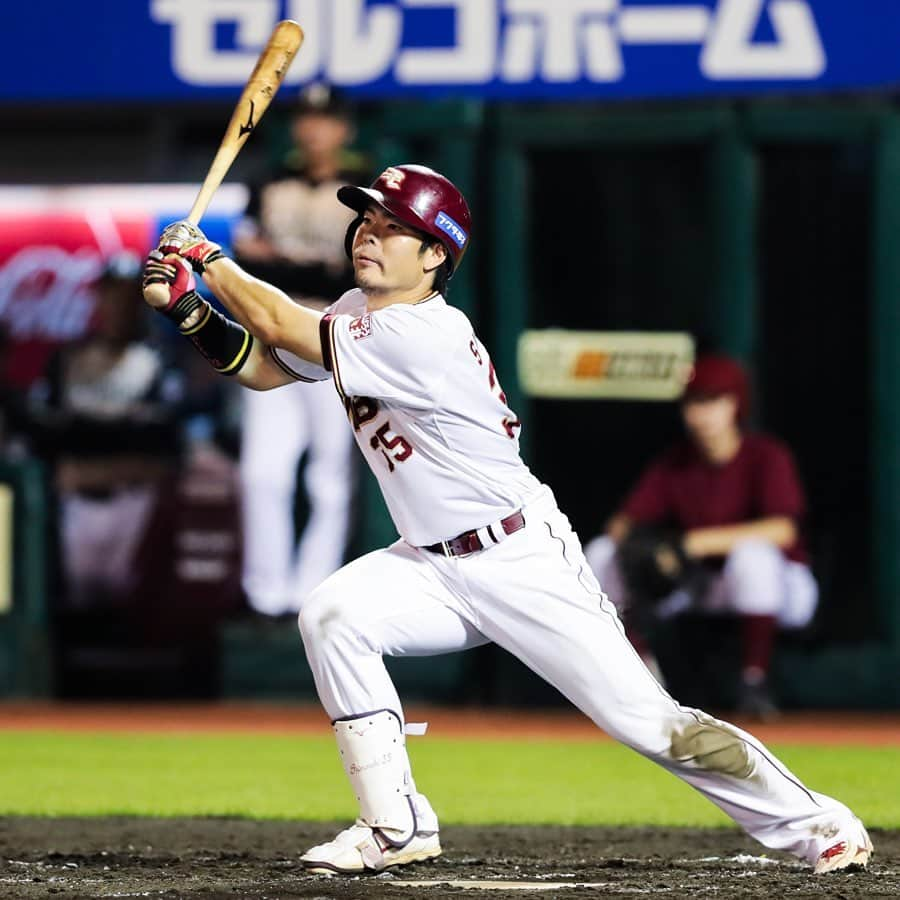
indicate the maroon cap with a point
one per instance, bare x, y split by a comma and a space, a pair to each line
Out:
420, 197
713, 376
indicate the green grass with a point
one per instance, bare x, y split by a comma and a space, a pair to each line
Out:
55, 774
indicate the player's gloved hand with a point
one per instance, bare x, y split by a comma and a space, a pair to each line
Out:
176, 234
179, 299
190, 243
653, 563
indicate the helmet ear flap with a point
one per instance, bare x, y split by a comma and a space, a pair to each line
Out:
351, 234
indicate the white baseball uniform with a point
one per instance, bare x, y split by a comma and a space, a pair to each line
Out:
757, 579
433, 424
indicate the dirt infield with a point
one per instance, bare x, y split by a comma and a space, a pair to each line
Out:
222, 857
831, 728
207, 858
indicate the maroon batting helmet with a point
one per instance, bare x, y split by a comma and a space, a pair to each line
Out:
419, 197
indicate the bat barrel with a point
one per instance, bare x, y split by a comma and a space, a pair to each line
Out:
264, 81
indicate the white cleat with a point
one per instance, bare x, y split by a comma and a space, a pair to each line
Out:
845, 854
360, 849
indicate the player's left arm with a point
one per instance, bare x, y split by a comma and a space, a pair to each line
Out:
229, 347
720, 540
267, 313
260, 373
232, 350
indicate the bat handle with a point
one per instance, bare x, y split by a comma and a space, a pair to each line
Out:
204, 197
197, 211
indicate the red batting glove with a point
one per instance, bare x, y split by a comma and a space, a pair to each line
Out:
201, 255
190, 243
175, 274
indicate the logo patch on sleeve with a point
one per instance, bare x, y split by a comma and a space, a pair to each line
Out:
451, 227
361, 327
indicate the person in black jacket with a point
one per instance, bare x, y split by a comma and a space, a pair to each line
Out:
293, 235
105, 418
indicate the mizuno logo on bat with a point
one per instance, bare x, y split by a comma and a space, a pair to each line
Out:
246, 129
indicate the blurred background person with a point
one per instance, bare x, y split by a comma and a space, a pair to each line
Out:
714, 525
105, 417
293, 235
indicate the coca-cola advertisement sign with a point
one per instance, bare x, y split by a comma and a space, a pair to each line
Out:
49, 263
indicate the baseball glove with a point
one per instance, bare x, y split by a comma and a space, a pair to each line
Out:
653, 564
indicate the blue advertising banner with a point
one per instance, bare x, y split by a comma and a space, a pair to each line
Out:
56, 50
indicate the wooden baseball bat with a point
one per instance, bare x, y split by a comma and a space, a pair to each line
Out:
261, 86
264, 81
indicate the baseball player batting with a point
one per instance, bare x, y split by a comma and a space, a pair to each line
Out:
484, 553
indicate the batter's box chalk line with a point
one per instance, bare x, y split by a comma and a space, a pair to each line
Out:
744, 859
526, 886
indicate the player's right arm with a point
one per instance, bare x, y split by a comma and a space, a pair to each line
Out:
646, 503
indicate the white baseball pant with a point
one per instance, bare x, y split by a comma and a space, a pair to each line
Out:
279, 426
756, 580
100, 539
535, 596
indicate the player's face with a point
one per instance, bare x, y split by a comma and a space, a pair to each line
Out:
320, 135
709, 418
389, 259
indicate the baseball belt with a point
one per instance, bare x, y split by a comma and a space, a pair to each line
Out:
479, 538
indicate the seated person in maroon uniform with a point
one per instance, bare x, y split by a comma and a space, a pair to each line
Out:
734, 500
